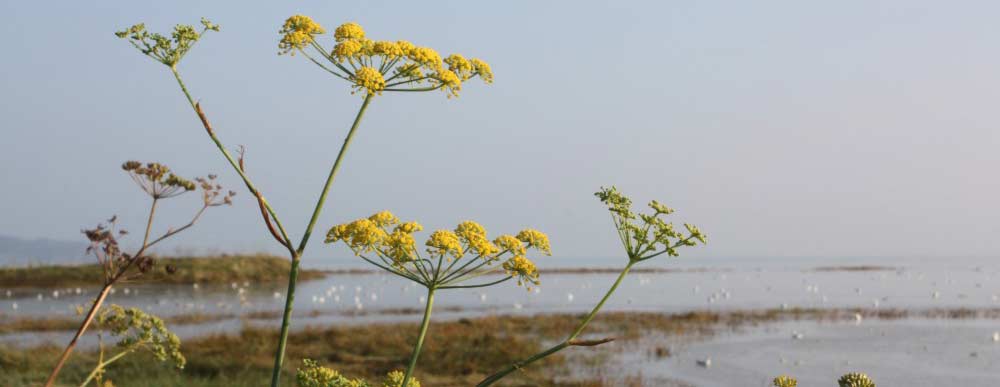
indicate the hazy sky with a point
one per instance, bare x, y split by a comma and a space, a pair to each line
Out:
788, 128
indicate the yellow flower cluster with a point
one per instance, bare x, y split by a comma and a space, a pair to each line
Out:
483, 69
535, 239
390, 50
855, 379
474, 235
383, 219
362, 235
297, 32
522, 269
785, 381
349, 31
397, 248
348, 50
444, 242
395, 379
510, 243
314, 375
370, 80
402, 66
460, 66
370, 235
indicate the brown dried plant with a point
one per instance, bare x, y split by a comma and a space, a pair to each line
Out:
159, 183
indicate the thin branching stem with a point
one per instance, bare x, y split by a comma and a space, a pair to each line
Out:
229, 157
565, 343
279, 356
79, 332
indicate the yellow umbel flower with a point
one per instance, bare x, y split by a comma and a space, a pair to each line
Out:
535, 239
400, 247
402, 65
443, 242
361, 235
349, 31
395, 379
314, 375
855, 379
482, 247
348, 49
405, 47
470, 230
297, 32
369, 79
426, 57
483, 69
449, 82
460, 66
387, 49
409, 227
474, 235
384, 218
785, 381
510, 243
522, 269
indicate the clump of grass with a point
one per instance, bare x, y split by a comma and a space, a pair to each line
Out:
221, 269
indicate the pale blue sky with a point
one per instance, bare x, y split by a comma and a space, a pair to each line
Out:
787, 128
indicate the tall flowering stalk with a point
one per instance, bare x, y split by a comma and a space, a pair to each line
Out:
454, 258
159, 183
370, 67
644, 237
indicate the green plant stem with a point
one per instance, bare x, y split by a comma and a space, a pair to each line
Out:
102, 365
295, 254
286, 322
232, 162
565, 343
333, 174
293, 273
420, 338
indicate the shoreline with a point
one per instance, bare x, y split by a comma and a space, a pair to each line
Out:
465, 349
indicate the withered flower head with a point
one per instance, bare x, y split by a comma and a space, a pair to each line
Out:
211, 192
157, 180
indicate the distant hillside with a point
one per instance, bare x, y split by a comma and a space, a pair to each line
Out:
21, 252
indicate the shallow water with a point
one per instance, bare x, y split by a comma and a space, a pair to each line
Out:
914, 352
703, 284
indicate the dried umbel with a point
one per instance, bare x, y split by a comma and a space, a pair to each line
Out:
212, 192
156, 179
376, 66
159, 183
785, 381
453, 256
166, 49
855, 379
645, 236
